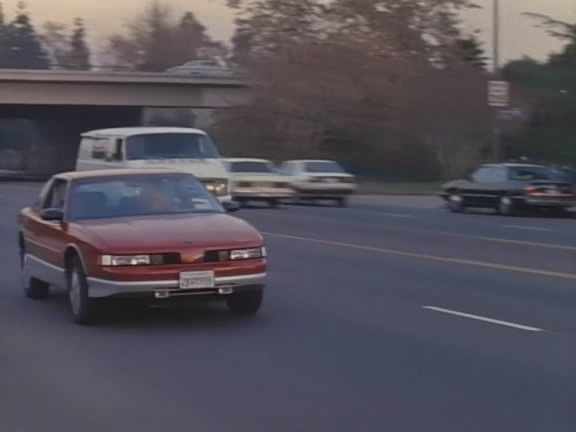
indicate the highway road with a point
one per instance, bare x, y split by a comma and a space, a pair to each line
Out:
392, 315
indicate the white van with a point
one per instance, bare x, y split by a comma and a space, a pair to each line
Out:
156, 147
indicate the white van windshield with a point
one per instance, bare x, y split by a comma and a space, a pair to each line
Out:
170, 146
324, 167
251, 167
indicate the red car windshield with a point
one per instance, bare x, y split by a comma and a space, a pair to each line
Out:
125, 196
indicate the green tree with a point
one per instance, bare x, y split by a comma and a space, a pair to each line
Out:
551, 86
67, 48
4, 60
471, 52
79, 51
24, 44
563, 31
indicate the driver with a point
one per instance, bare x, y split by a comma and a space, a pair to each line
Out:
153, 197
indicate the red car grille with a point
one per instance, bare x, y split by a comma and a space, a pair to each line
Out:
166, 258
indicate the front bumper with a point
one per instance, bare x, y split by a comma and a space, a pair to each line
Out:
320, 192
102, 288
262, 194
549, 202
224, 198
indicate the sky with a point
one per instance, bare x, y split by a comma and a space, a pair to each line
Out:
519, 35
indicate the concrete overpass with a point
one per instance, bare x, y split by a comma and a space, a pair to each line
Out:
126, 89
65, 103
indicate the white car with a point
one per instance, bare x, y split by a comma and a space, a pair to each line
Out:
319, 180
203, 68
257, 180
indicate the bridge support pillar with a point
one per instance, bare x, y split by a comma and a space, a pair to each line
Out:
60, 131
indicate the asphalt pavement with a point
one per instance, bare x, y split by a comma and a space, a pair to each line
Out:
391, 315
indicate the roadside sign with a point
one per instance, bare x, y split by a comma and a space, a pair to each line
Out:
498, 93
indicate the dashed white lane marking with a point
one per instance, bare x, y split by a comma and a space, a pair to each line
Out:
484, 319
527, 228
396, 215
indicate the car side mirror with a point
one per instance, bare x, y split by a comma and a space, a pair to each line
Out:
52, 215
231, 206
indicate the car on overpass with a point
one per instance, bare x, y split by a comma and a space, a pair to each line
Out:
511, 187
156, 147
315, 180
258, 180
205, 67
154, 235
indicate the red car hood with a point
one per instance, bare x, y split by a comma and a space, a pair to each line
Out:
172, 233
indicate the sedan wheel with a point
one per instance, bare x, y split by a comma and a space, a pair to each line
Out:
83, 308
74, 294
456, 203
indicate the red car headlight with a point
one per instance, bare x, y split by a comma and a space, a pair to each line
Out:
124, 260
245, 254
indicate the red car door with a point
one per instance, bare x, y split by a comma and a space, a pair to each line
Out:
50, 236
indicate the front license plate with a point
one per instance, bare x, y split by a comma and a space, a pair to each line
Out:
197, 279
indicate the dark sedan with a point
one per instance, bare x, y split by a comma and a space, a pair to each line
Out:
509, 188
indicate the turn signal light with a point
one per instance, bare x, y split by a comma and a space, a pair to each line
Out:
529, 189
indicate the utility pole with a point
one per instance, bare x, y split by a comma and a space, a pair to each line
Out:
496, 132
496, 37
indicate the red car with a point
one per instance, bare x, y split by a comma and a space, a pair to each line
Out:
151, 234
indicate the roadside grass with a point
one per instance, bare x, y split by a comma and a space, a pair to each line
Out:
405, 188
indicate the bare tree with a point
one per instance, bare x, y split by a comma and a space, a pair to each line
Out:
369, 82
157, 39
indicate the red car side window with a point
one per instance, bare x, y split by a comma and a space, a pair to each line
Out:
41, 198
56, 196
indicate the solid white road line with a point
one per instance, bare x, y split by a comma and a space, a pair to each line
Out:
475, 263
527, 228
426, 231
484, 319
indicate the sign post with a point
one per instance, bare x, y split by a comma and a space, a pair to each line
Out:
498, 97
